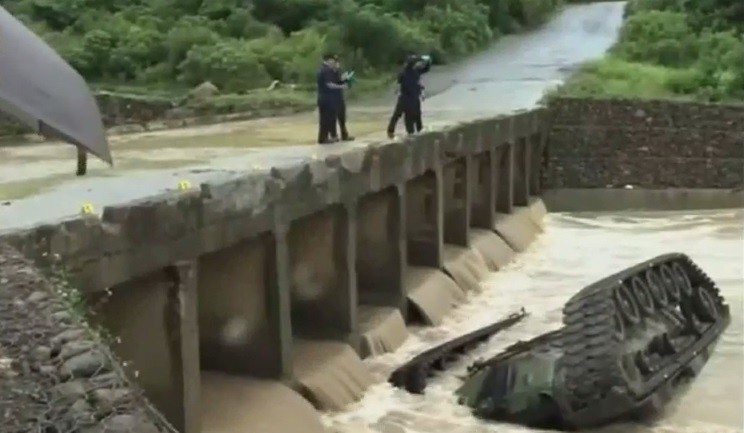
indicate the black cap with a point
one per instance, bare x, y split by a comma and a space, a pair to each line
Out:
330, 56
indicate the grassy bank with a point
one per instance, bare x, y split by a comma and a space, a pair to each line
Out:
671, 49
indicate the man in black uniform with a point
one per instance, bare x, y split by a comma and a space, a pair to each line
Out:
328, 100
340, 106
410, 93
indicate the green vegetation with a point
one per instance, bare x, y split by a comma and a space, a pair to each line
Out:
671, 49
166, 47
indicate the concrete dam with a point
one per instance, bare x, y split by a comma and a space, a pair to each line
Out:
250, 304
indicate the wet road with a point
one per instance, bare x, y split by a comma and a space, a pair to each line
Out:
37, 186
541, 280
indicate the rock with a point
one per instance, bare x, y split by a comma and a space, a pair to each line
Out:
74, 348
42, 353
47, 370
108, 400
126, 424
37, 296
81, 411
107, 380
69, 335
84, 365
62, 316
73, 390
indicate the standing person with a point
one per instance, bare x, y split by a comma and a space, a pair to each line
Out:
341, 79
327, 99
410, 94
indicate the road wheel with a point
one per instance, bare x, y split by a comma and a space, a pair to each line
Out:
656, 287
669, 279
626, 305
642, 295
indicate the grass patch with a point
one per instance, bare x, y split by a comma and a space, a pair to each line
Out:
613, 77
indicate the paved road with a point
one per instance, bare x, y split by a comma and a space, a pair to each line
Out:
512, 75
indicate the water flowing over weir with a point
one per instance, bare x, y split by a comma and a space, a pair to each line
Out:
575, 250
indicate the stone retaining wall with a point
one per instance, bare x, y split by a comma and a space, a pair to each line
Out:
650, 144
55, 373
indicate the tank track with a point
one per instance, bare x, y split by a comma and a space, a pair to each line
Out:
412, 375
630, 338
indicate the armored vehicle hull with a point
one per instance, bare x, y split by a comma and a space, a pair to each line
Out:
628, 342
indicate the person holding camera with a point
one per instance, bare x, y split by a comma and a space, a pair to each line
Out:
345, 78
410, 94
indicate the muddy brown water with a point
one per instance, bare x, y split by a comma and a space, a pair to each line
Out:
574, 250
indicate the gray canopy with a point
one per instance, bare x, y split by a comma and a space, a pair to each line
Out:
41, 90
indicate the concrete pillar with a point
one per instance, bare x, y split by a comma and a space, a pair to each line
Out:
278, 302
505, 176
537, 142
425, 219
457, 201
381, 248
185, 342
347, 294
522, 172
484, 182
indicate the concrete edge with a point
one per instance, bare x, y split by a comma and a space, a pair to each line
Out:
614, 200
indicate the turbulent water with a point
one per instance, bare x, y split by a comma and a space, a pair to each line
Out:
575, 250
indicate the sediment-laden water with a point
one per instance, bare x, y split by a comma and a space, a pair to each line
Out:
575, 250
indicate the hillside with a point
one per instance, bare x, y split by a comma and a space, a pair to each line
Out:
672, 49
170, 45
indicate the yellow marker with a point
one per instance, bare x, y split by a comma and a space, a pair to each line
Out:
184, 185
256, 167
87, 209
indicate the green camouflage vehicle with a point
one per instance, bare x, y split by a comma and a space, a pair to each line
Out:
628, 342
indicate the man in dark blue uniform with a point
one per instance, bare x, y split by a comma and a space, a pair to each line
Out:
328, 98
410, 93
341, 105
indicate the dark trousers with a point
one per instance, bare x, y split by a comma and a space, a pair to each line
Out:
397, 112
410, 109
341, 118
326, 121
412, 115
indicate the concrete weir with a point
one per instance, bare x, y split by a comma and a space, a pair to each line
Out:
240, 297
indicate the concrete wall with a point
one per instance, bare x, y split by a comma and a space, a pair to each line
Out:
228, 276
646, 144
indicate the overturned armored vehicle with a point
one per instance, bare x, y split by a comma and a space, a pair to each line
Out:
628, 342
